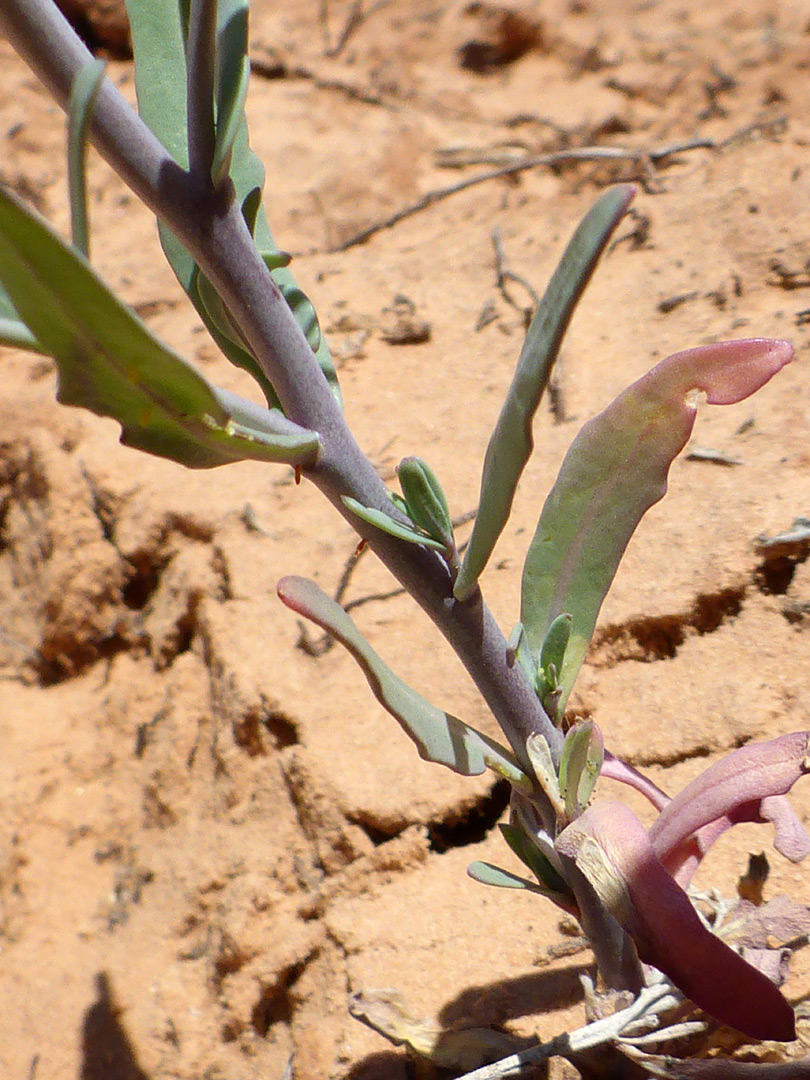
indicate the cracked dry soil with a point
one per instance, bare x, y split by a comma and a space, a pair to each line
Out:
212, 839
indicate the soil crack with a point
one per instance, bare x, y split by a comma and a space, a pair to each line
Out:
659, 637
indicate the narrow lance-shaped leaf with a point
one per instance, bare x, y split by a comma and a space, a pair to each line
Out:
539, 754
425, 500
232, 77
439, 736
612, 849
614, 472
487, 874
109, 361
387, 524
552, 655
511, 443
158, 34
83, 96
539, 864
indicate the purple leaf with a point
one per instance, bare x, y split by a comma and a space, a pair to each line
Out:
730, 791
614, 768
790, 838
612, 849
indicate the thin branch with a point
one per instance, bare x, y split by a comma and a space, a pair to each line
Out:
651, 1001
216, 235
201, 67
557, 157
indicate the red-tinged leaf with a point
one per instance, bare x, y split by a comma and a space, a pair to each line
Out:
730, 791
790, 836
615, 470
612, 849
614, 768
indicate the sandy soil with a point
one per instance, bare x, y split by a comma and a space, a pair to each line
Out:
210, 839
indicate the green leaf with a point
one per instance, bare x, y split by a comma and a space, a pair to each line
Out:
580, 764
425, 500
109, 361
613, 473
512, 442
158, 34
552, 655
531, 856
13, 330
232, 77
438, 735
380, 520
488, 874
539, 753
83, 96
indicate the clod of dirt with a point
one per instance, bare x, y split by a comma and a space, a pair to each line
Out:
401, 325
102, 24
508, 35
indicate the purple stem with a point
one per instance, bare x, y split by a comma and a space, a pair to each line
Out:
213, 230
201, 64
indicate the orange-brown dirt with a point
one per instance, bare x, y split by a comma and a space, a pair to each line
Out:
210, 839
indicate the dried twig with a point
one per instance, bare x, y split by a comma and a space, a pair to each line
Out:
354, 19
554, 390
503, 275
557, 157
272, 66
650, 1002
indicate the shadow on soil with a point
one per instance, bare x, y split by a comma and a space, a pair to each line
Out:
488, 1006
107, 1053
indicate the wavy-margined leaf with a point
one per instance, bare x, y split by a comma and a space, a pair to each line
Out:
109, 361
438, 735
615, 470
612, 849
160, 79
511, 443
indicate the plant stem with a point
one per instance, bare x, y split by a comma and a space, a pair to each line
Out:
213, 230
201, 67
211, 226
